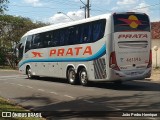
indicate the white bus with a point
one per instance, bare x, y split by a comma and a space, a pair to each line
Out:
112, 47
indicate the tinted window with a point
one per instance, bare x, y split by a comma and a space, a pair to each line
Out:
129, 22
38, 39
62, 37
47, 36
78, 34
72, 34
85, 33
98, 30
28, 43
55, 38
21, 48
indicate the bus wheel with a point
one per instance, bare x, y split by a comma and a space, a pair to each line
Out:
29, 73
83, 77
71, 76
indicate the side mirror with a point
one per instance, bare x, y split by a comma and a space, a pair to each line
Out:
17, 52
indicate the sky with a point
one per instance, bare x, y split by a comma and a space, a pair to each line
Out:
47, 10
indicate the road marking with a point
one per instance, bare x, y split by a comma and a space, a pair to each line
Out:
54, 93
69, 96
19, 85
110, 106
29, 87
12, 76
114, 108
41, 90
88, 101
9, 70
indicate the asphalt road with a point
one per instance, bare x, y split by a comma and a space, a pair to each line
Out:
57, 97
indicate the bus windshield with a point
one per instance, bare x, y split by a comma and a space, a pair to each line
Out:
131, 22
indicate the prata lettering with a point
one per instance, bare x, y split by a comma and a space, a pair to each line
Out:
126, 36
71, 51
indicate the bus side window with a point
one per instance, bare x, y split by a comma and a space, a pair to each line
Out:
62, 37
41, 40
38, 41
71, 40
98, 30
28, 43
77, 34
54, 41
50, 39
46, 38
81, 34
21, 47
66, 34
85, 32
90, 33
34, 43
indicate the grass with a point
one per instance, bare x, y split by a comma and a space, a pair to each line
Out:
7, 106
6, 68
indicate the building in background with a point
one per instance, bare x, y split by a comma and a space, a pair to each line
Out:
155, 43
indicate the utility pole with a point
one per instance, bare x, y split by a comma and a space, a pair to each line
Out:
84, 11
86, 8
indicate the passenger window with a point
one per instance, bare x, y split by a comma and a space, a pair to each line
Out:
55, 38
34, 43
28, 43
62, 37
47, 39
71, 36
21, 47
98, 30
78, 34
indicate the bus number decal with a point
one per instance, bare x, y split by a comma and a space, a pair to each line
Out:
133, 59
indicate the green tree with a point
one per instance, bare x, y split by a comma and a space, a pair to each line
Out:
11, 30
2, 57
3, 6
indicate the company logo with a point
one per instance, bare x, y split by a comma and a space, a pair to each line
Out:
71, 51
66, 52
37, 54
132, 21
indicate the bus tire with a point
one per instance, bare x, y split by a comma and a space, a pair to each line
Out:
83, 77
29, 73
71, 76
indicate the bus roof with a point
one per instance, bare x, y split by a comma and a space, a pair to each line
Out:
62, 25
67, 24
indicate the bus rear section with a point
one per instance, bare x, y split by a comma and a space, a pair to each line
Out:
131, 57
